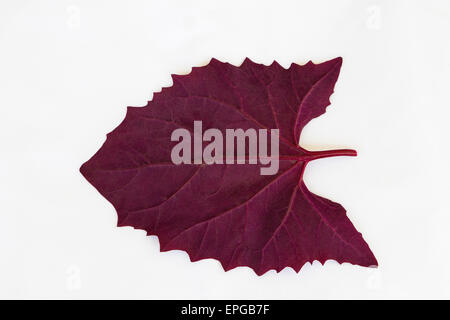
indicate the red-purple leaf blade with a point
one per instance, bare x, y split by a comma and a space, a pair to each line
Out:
229, 212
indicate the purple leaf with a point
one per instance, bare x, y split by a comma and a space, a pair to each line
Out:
230, 212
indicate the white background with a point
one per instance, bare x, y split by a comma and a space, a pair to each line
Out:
68, 69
